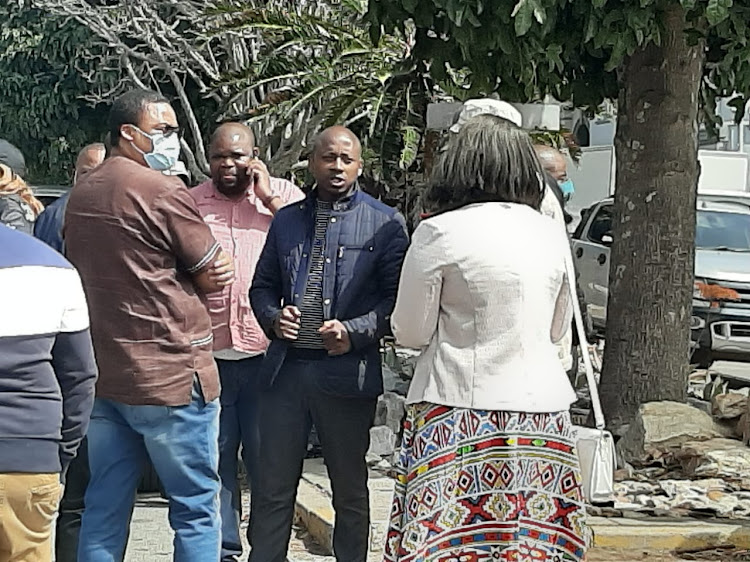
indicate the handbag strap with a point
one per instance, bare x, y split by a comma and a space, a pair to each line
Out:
596, 405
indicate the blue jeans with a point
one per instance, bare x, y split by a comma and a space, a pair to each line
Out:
238, 425
182, 443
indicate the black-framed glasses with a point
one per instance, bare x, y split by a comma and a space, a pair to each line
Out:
170, 131
167, 131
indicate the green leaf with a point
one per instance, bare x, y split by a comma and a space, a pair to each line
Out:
555, 61
523, 14
618, 55
410, 150
592, 28
717, 11
540, 15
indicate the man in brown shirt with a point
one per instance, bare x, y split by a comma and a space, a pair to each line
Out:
145, 255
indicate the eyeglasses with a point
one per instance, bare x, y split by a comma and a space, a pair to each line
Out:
167, 131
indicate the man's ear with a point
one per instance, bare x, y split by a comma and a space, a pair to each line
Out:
256, 152
361, 165
126, 132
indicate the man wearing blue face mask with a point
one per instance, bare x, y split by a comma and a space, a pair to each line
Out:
145, 256
556, 166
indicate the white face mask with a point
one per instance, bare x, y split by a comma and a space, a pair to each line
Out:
164, 153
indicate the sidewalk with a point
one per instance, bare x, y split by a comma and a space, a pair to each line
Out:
642, 537
151, 537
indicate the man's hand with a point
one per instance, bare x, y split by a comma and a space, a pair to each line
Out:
260, 178
335, 337
286, 326
222, 270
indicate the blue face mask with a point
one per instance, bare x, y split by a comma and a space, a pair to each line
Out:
165, 150
567, 187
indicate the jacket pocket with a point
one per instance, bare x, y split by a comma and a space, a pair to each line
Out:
353, 258
353, 375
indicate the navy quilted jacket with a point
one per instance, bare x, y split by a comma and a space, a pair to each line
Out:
365, 246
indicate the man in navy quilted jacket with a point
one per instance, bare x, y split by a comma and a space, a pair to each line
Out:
324, 290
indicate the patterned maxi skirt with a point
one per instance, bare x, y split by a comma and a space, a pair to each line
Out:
487, 486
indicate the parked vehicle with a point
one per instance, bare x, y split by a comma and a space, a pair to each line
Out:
49, 193
594, 174
721, 301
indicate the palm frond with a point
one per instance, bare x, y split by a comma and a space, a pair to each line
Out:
317, 60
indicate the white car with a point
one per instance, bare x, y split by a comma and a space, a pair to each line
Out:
720, 329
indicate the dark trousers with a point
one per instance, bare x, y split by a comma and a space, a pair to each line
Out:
285, 414
70, 514
237, 425
71, 507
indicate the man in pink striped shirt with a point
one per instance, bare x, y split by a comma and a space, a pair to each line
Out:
238, 204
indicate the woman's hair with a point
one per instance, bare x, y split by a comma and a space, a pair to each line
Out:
11, 184
489, 159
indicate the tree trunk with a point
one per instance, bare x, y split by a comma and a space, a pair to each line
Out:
651, 279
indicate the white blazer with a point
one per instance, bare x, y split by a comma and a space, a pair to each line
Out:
551, 207
485, 296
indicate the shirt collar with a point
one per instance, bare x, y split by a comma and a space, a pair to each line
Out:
343, 204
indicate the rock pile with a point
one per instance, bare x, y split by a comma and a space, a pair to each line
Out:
681, 461
711, 497
385, 436
661, 428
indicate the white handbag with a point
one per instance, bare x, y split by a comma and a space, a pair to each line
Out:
595, 446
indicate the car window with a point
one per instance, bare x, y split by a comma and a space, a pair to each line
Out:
601, 224
717, 230
47, 200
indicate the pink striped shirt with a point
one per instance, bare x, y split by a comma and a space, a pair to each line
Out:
240, 227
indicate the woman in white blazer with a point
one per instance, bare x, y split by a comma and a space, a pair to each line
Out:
487, 468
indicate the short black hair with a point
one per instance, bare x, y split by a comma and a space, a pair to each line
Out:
128, 108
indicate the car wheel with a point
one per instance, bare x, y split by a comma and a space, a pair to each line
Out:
702, 358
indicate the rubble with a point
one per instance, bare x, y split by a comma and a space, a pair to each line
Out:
382, 441
743, 427
706, 497
720, 458
398, 368
372, 459
680, 461
729, 406
394, 382
391, 411
698, 381
660, 428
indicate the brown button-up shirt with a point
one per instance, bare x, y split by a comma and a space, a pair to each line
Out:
137, 238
